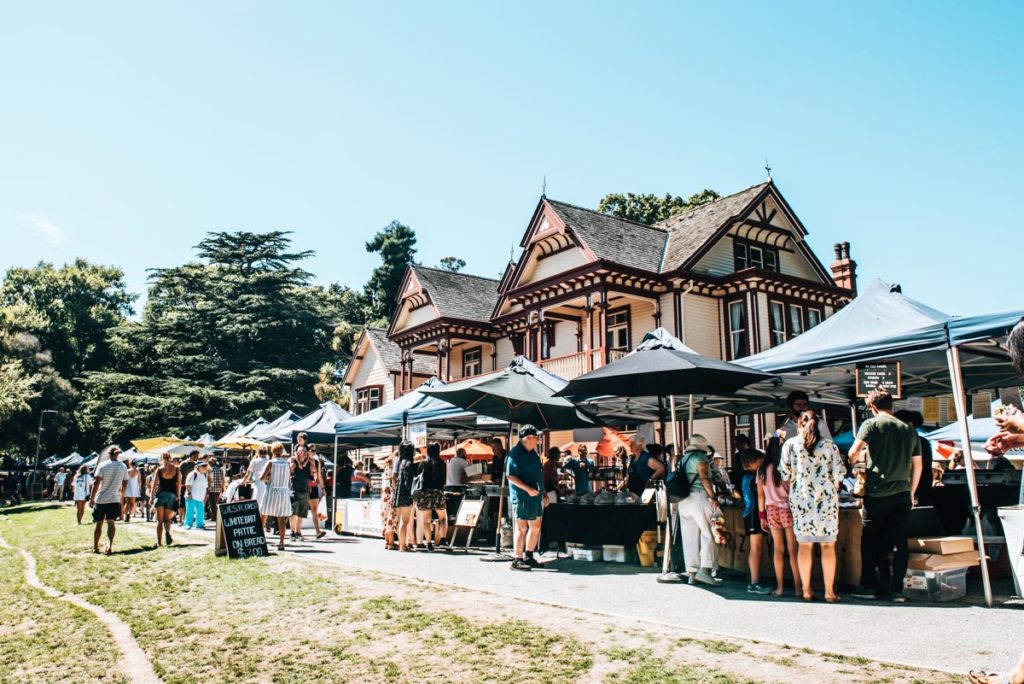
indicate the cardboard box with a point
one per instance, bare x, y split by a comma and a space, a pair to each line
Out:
941, 545
936, 561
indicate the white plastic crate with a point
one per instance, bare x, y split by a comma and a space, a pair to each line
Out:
935, 585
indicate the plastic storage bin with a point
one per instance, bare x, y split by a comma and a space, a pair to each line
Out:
613, 553
585, 553
937, 585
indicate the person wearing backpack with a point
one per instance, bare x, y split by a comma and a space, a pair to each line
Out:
429, 497
692, 483
401, 494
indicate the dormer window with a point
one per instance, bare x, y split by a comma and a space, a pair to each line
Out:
754, 255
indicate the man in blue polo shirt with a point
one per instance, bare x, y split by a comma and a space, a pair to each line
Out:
526, 503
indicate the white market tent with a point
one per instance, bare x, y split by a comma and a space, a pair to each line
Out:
939, 354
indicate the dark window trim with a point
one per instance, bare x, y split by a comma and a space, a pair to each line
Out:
366, 389
787, 304
479, 361
746, 245
629, 324
742, 300
547, 334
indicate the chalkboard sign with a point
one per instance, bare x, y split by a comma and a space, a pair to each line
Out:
871, 376
240, 530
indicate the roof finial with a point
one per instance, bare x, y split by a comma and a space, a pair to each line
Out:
544, 186
768, 169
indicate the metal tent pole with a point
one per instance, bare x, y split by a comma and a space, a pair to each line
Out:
667, 576
960, 399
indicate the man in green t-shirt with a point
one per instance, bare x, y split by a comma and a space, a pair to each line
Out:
894, 465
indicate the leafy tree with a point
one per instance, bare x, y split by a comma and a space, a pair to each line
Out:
29, 383
651, 209
396, 244
329, 387
453, 264
72, 309
239, 333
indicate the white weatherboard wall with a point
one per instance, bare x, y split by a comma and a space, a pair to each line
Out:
796, 264
372, 372
505, 352
539, 269
702, 325
719, 260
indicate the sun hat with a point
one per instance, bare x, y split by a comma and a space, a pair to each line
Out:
698, 443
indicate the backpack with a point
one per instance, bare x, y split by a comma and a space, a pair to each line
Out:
677, 484
417, 482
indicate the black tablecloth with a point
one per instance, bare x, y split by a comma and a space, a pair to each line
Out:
594, 525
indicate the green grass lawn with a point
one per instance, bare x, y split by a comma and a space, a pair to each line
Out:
286, 619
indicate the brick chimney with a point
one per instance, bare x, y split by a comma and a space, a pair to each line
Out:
844, 269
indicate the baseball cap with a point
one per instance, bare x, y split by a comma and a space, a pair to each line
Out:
527, 431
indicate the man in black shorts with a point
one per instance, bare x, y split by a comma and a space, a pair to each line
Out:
109, 482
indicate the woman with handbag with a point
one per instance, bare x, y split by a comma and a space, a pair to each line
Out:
401, 495
429, 498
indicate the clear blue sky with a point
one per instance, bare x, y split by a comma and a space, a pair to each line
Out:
131, 129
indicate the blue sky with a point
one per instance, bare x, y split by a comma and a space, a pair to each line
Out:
131, 129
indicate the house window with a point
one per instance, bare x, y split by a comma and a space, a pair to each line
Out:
547, 340
517, 343
471, 362
814, 317
753, 255
796, 320
777, 324
737, 329
618, 329
367, 398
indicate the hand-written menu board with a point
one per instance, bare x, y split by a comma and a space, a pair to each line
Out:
242, 529
871, 376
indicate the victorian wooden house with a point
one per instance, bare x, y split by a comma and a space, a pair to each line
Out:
729, 278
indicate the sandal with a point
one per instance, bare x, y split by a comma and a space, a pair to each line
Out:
980, 677
808, 598
280, 547
832, 599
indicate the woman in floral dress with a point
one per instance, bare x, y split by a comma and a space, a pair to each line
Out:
388, 515
814, 469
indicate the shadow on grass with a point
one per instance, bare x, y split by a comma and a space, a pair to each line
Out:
33, 508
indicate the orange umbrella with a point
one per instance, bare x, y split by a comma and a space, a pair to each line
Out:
611, 441
475, 450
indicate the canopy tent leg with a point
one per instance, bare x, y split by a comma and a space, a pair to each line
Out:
334, 487
960, 400
667, 576
853, 417
692, 410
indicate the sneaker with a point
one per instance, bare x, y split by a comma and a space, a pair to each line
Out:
704, 576
321, 534
756, 588
430, 547
520, 564
532, 562
864, 594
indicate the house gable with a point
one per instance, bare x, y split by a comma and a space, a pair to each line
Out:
414, 304
758, 218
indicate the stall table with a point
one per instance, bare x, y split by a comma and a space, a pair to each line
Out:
597, 525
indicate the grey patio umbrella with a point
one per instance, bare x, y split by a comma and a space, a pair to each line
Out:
521, 393
663, 366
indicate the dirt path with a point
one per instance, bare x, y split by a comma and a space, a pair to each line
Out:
134, 662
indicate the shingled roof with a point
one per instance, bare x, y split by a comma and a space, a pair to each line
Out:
459, 295
391, 354
613, 239
689, 231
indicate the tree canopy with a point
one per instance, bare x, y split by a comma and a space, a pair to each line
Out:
237, 334
396, 244
650, 208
